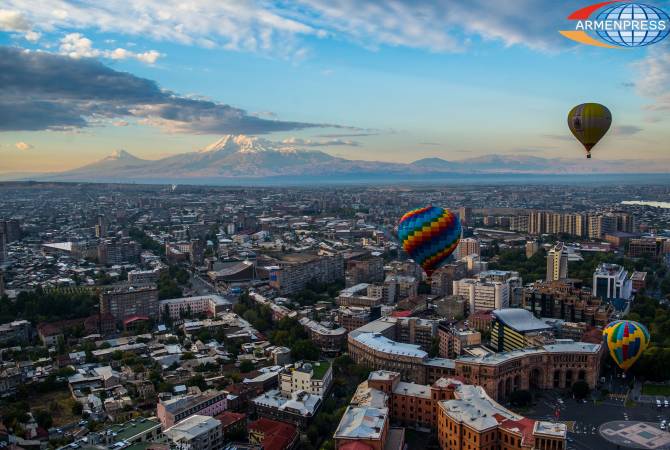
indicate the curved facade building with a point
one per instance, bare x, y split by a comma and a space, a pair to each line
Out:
552, 366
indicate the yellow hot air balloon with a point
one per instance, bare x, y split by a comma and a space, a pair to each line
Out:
626, 341
589, 122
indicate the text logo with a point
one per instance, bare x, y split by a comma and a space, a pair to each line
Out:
616, 24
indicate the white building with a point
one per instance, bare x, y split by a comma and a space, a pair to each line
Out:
202, 304
312, 377
196, 433
611, 281
483, 295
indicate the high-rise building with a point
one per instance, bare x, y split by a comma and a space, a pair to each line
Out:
11, 229
442, 280
483, 295
467, 247
128, 301
118, 251
294, 271
537, 222
519, 223
368, 269
101, 226
2, 284
465, 214
611, 281
600, 225
532, 247
3, 248
557, 263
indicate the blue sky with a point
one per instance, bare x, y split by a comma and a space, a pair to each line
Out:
399, 80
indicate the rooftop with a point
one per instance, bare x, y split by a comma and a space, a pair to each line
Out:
192, 427
383, 344
362, 422
132, 428
520, 320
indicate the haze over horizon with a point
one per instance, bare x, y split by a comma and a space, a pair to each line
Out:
357, 80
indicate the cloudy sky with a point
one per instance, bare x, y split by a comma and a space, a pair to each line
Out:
377, 80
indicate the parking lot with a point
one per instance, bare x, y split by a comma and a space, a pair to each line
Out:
583, 418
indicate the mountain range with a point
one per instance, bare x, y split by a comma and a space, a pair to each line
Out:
244, 157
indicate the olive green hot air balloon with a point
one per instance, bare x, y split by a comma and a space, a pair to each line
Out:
589, 122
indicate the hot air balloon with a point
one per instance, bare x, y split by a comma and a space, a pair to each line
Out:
589, 122
626, 341
429, 235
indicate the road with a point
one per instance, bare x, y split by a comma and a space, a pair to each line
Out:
583, 419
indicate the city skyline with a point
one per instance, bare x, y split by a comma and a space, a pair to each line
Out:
360, 81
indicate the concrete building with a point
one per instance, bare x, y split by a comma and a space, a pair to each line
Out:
118, 251
532, 247
442, 280
298, 408
400, 287
473, 420
329, 340
467, 247
273, 434
462, 415
600, 225
176, 409
548, 366
453, 341
209, 305
562, 300
139, 277
651, 247
3, 249
294, 271
483, 295
128, 301
362, 294
557, 263
369, 269
315, 377
196, 433
610, 281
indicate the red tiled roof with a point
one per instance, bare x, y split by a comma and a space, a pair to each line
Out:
401, 313
228, 418
524, 427
277, 435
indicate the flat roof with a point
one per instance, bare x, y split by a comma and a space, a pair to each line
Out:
132, 428
362, 422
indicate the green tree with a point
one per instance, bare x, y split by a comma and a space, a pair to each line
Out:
580, 389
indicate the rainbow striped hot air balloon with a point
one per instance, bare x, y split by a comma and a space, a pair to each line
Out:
626, 341
429, 235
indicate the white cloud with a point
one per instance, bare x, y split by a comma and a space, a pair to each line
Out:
120, 123
149, 57
32, 36
299, 142
653, 81
76, 45
278, 28
12, 20
23, 146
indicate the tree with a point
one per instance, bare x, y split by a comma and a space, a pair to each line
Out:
305, 349
521, 398
434, 347
246, 366
580, 389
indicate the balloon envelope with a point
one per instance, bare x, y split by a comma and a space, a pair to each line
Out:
429, 235
626, 341
589, 122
